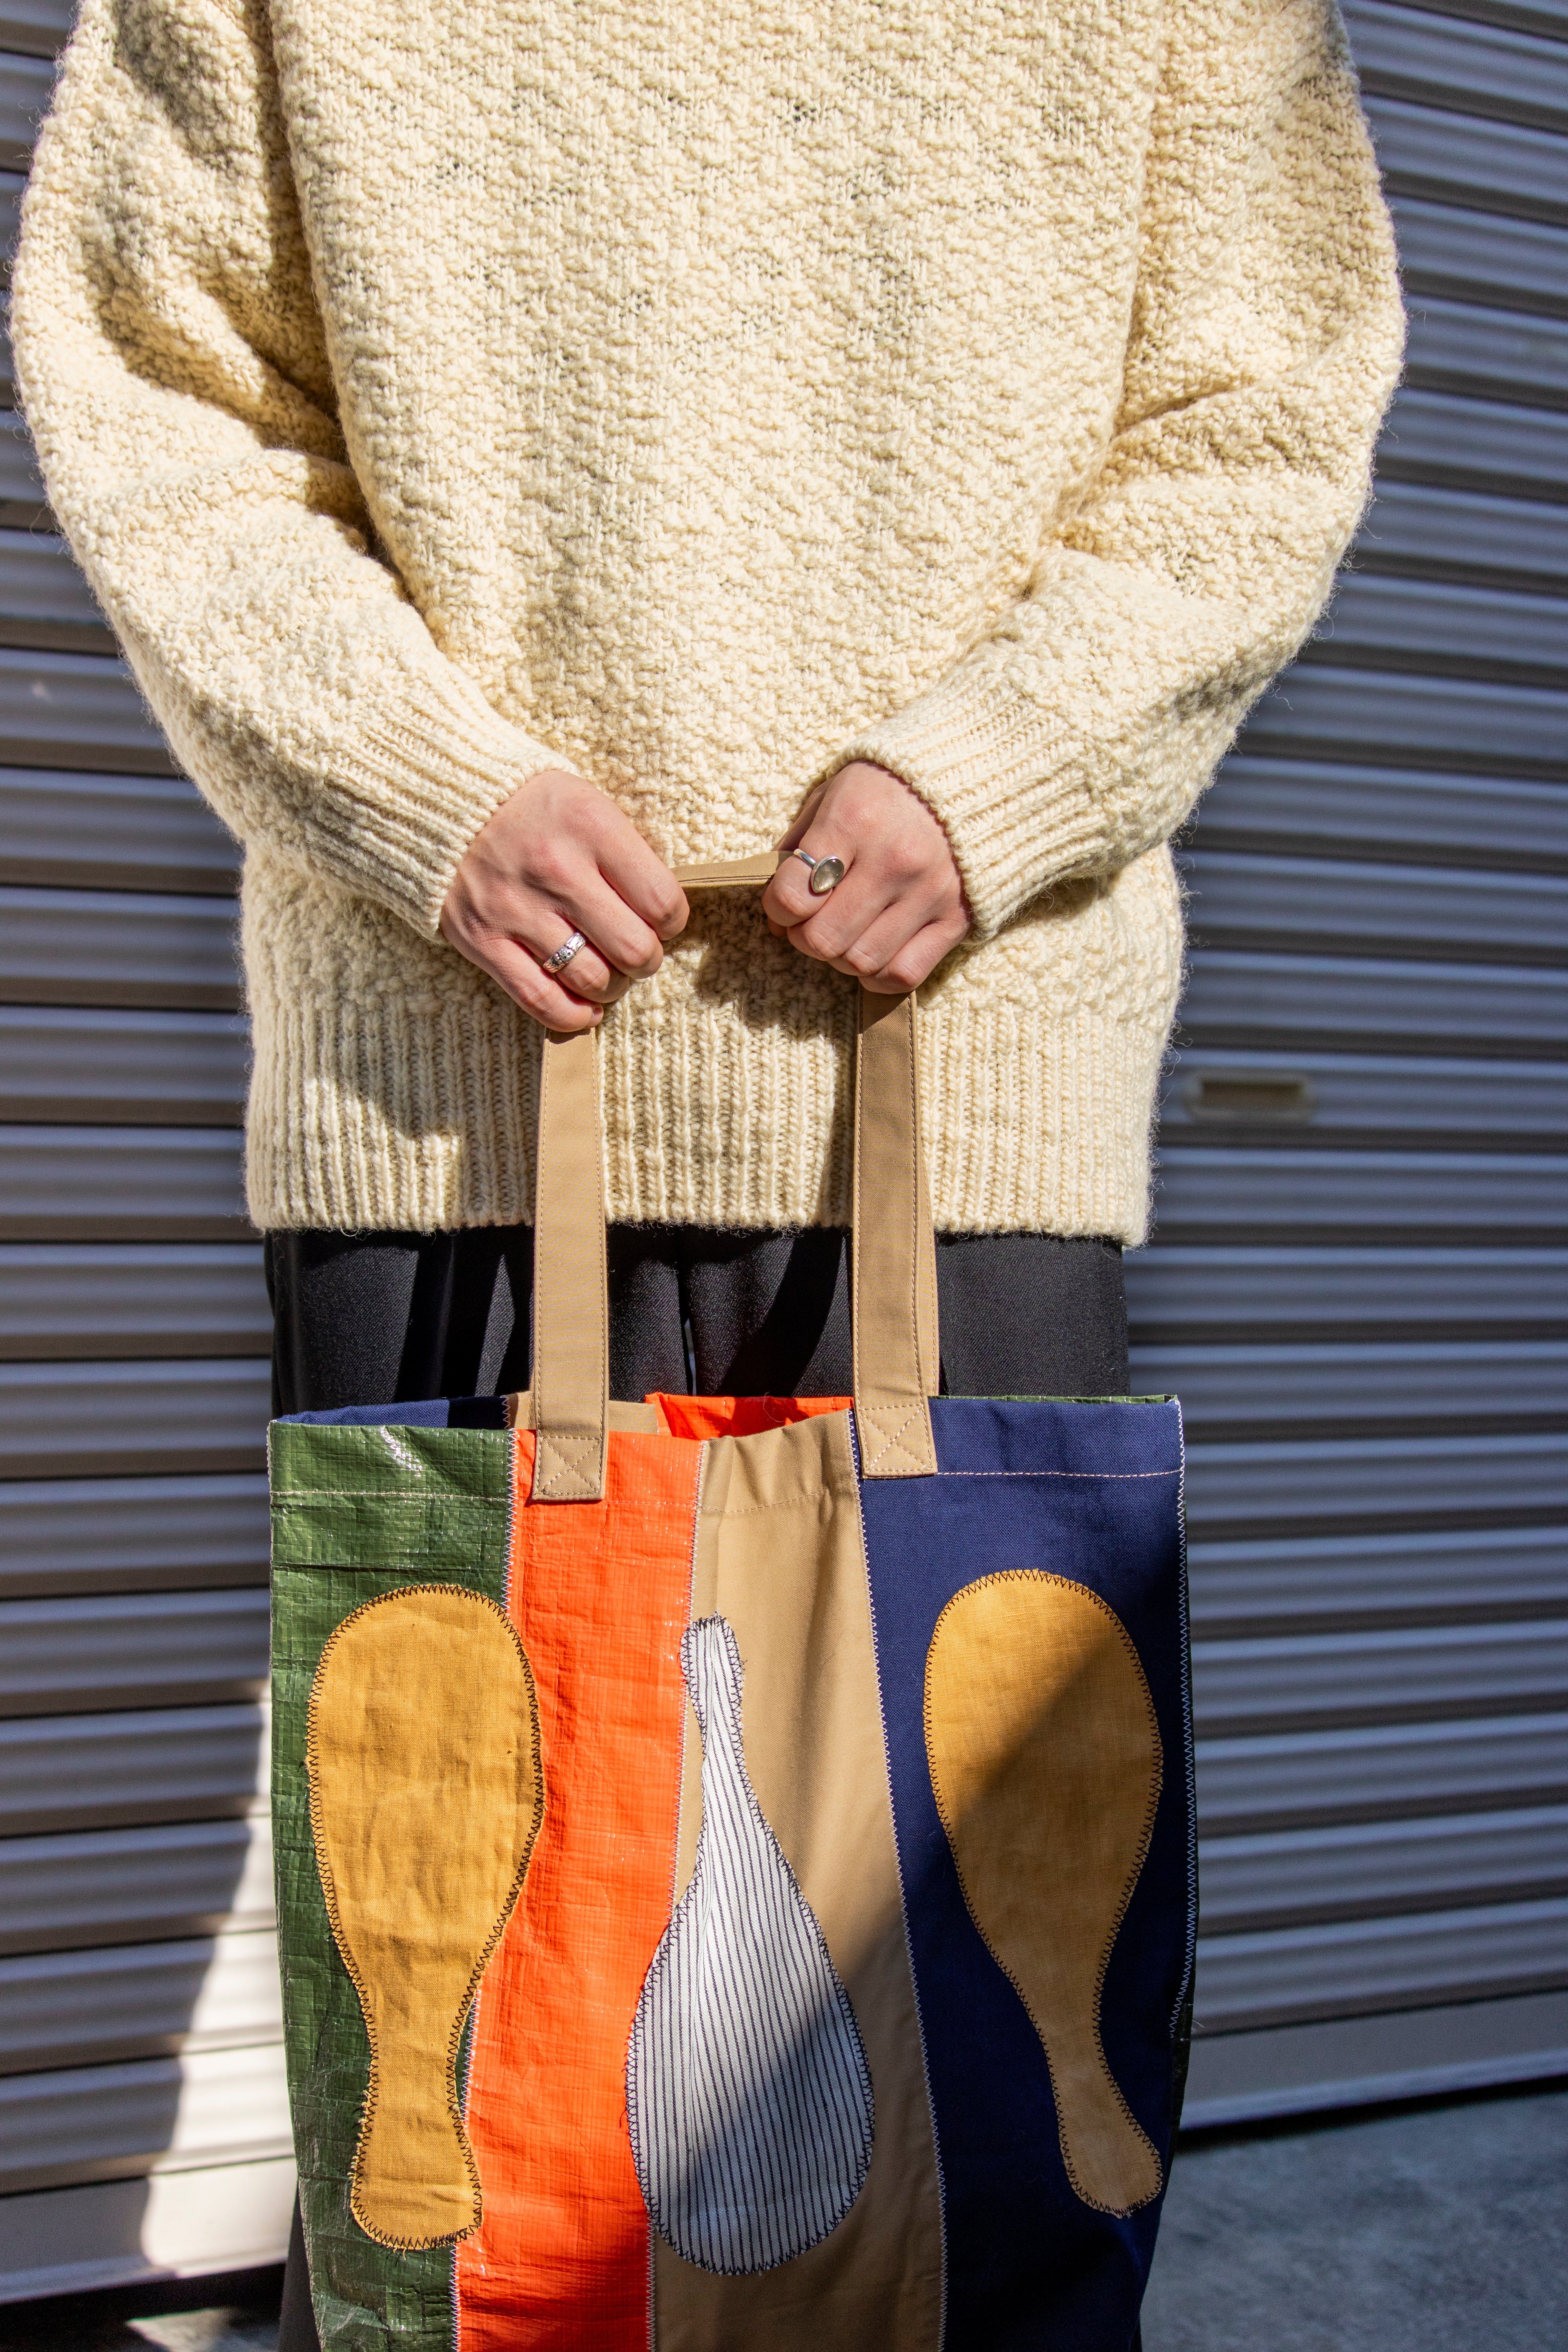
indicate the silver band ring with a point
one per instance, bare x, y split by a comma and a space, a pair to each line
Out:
826, 873
564, 952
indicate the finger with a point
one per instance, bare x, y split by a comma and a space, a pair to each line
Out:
624, 941
915, 961
643, 884
789, 897
802, 824
843, 916
786, 899
874, 947
614, 989
585, 974
515, 970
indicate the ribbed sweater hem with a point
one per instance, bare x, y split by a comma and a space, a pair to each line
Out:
707, 1121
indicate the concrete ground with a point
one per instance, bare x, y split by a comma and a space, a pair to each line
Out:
1442, 2228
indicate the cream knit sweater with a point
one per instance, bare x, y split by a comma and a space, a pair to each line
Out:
697, 393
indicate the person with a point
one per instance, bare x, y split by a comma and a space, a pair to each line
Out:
524, 447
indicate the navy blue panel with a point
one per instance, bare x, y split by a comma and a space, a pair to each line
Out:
434, 1413
1090, 1492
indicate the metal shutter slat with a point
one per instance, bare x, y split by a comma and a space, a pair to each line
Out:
1366, 1966
37, 28
26, 84
1242, 899
1405, 815
1335, 1486
1467, 159
1240, 998
103, 1886
43, 600
145, 1067
1458, 722
1215, 1194
63, 1421
86, 947
1480, 258
69, 1656
1498, 355
1450, 437
203, 2219
1372, 1869
1379, 1772
1228, 1288
1403, 1100
138, 1183
167, 2115
134, 1299
1300, 1681
139, 1535
11, 185
126, 833
1412, 525
1427, 2052
1380, 620
1312, 1387
1300, 1584
1444, 61
139, 2001
76, 710
151, 1764
21, 488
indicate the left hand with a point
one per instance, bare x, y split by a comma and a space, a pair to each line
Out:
900, 906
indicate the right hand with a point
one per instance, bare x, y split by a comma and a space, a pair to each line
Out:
558, 857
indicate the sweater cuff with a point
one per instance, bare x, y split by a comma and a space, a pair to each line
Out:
418, 782
1000, 777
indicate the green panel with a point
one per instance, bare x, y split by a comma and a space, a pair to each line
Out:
357, 1513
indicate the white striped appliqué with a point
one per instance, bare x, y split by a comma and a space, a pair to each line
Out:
747, 2088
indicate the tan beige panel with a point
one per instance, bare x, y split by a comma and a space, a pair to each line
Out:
779, 1556
425, 1799
1045, 1759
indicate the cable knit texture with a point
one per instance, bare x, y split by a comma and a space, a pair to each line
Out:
698, 394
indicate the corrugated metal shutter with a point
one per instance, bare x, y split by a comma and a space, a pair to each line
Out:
1359, 1280
1360, 1285
143, 2121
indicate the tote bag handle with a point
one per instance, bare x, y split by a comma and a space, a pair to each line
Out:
892, 1249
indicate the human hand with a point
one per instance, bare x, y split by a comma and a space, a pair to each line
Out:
558, 857
900, 906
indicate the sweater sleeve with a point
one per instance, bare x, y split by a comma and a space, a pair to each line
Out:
175, 373
1264, 341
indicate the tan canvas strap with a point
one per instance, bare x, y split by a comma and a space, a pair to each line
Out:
893, 1248
571, 1287
892, 1253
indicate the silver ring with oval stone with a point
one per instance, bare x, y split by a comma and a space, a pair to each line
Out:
826, 873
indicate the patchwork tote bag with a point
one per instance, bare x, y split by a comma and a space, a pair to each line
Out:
735, 1856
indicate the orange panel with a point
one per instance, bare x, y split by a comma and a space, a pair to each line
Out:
688, 1416
599, 1594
